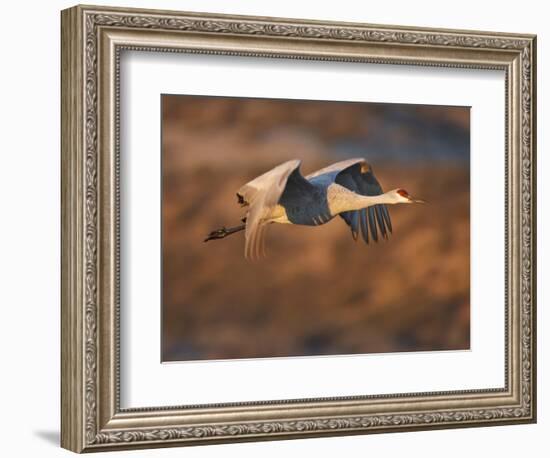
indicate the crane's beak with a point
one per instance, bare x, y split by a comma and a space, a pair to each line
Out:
418, 201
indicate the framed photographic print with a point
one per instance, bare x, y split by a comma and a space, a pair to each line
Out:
278, 228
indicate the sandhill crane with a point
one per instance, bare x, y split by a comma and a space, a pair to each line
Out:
282, 195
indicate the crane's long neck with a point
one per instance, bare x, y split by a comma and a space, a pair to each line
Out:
342, 199
360, 201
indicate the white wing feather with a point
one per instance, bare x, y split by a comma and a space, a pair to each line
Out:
262, 194
336, 168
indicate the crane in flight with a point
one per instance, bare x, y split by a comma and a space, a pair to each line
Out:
283, 195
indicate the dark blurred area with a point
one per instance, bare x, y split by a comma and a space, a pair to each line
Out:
318, 292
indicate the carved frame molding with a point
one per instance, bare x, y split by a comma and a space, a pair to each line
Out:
92, 40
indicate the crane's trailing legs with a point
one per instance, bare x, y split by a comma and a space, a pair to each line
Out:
224, 232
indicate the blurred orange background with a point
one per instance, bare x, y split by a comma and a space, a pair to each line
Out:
318, 292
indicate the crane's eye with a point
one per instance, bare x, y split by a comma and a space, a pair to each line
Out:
402, 193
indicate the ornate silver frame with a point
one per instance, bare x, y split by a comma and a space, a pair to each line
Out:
92, 39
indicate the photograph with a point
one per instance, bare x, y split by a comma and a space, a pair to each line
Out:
313, 228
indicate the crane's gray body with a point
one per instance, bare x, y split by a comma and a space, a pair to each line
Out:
310, 209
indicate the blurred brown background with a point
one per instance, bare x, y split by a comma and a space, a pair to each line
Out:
318, 292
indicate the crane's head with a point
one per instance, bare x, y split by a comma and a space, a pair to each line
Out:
402, 196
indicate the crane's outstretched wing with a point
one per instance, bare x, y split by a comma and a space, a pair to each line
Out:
261, 195
357, 176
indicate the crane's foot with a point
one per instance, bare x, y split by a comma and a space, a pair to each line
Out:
223, 232
219, 234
